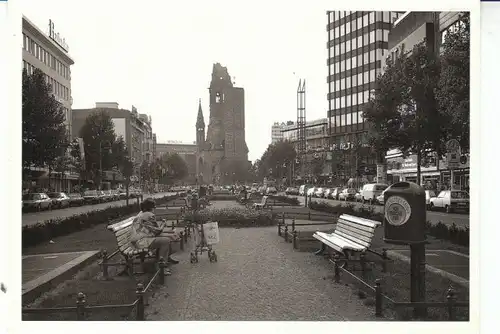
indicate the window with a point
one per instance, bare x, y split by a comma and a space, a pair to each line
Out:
348, 46
359, 22
348, 100
342, 84
342, 102
337, 121
372, 17
366, 96
354, 62
348, 119
360, 97
385, 17
365, 21
360, 41
342, 30
348, 64
348, 82
372, 37
360, 79
337, 67
342, 48
347, 28
379, 35
372, 75
337, 32
337, 49
354, 80
24, 41
342, 66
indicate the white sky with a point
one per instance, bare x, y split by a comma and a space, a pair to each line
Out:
158, 57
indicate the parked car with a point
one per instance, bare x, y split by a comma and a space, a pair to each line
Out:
59, 200
371, 191
311, 191
450, 200
271, 190
428, 195
319, 192
357, 196
37, 201
303, 189
108, 195
91, 197
291, 191
328, 192
75, 199
347, 194
334, 194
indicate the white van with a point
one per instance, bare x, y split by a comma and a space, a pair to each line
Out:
371, 191
303, 189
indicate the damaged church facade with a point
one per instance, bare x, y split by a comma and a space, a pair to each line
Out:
223, 149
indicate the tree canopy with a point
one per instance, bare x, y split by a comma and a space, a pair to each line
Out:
276, 160
453, 93
175, 168
99, 137
45, 136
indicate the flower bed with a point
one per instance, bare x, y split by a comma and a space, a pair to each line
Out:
231, 217
49, 229
454, 234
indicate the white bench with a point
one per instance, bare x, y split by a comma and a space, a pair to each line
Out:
351, 233
262, 204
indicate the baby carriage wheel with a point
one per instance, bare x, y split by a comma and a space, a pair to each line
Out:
214, 256
193, 258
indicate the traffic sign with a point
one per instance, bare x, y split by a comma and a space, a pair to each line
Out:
453, 153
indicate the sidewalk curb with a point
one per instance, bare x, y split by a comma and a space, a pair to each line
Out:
454, 278
34, 288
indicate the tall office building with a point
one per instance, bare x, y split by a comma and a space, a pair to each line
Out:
357, 44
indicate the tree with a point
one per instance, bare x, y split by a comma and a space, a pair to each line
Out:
98, 136
453, 89
44, 131
422, 124
176, 168
119, 152
383, 112
276, 159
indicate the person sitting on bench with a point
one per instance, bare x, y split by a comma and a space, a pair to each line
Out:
146, 233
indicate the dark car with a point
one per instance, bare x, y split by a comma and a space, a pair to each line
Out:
292, 191
59, 200
91, 197
75, 199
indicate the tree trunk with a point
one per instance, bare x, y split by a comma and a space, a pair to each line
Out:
381, 169
126, 191
419, 162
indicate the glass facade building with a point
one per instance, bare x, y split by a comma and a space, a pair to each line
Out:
357, 44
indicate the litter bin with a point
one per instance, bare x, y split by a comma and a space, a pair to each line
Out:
404, 214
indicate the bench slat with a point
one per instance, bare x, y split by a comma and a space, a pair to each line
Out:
351, 230
354, 235
121, 225
336, 242
123, 231
352, 239
123, 239
361, 221
357, 226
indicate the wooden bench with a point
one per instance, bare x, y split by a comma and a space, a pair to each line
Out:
352, 235
130, 252
262, 204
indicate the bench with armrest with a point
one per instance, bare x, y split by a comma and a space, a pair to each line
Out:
122, 231
262, 205
351, 239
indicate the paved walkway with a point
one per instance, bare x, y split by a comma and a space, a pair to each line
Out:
257, 277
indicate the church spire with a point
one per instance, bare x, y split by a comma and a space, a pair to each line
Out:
199, 120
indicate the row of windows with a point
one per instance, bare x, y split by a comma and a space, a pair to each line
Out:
358, 42
379, 16
359, 23
347, 119
356, 80
351, 100
58, 89
45, 57
356, 61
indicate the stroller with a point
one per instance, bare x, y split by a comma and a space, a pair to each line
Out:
201, 242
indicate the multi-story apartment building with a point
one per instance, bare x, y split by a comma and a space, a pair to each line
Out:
135, 128
357, 44
49, 53
408, 30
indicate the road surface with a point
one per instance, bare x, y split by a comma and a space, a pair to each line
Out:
32, 218
460, 219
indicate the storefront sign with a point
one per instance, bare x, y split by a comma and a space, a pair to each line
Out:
397, 210
56, 37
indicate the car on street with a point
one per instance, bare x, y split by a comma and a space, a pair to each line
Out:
37, 201
59, 200
357, 196
108, 195
450, 200
291, 191
428, 195
347, 194
271, 190
303, 189
319, 193
334, 194
91, 197
327, 193
311, 191
75, 199
371, 191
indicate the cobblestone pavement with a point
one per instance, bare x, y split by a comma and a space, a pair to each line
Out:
257, 277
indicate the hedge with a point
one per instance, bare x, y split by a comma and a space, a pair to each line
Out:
222, 197
285, 199
234, 217
453, 233
52, 228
